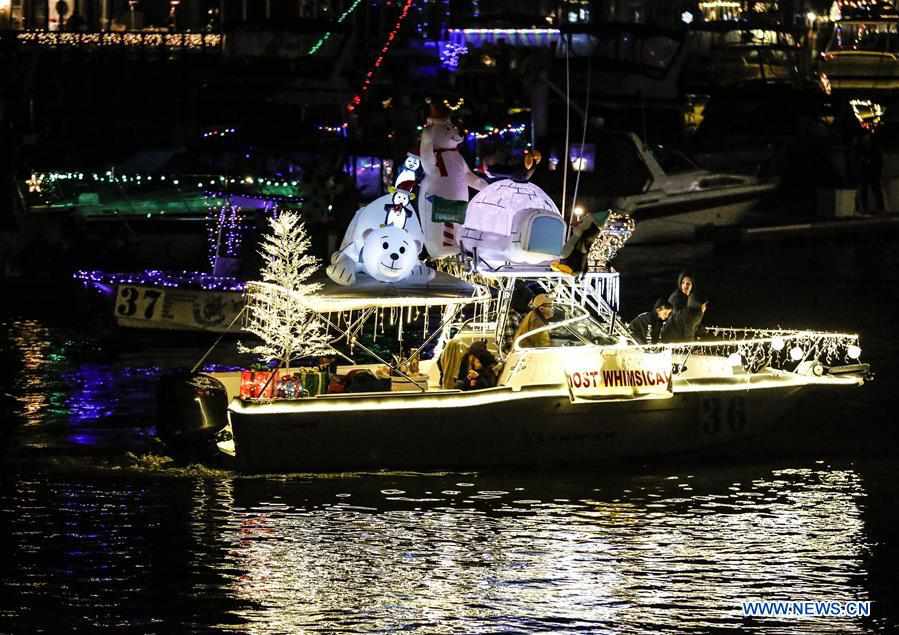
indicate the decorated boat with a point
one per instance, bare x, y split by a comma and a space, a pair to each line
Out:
188, 300
572, 387
588, 397
167, 300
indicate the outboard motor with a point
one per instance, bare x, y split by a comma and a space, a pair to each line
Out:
192, 408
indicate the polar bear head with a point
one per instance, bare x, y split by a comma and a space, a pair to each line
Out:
389, 254
444, 133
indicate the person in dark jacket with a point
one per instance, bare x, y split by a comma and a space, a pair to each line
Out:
684, 324
647, 327
685, 285
477, 369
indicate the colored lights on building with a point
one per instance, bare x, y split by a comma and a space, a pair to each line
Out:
185, 41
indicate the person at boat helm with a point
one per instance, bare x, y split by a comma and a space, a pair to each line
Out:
647, 327
685, 286
683, 325
477, 369
540, 315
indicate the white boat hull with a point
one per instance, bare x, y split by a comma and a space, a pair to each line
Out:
495, 428
677, 218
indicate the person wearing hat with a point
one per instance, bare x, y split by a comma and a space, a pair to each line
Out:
540, 315
477, 369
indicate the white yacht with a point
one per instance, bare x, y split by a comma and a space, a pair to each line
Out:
669, 197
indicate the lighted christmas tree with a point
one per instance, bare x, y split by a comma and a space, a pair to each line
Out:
277, 312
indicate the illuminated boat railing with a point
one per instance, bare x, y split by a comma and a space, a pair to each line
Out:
779, 349
325, 303
108, 280
347, 312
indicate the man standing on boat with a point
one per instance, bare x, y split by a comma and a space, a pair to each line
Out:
647, 327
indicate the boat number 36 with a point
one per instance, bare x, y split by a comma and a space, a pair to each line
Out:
137, 302
722, 414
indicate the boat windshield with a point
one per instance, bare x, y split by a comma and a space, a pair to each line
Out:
673, 161
573, 326
879, 37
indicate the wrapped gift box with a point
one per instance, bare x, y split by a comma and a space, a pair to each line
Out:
314, 381
253, 381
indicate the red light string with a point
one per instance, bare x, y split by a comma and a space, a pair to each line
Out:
366, 84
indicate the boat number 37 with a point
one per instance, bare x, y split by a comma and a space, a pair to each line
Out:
138, 302
722, 414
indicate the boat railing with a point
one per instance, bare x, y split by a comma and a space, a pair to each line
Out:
801, 351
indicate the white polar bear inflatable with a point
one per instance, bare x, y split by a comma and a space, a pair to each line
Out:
446, 175
385, 252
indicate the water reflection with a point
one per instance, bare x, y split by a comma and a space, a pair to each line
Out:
438, 555
67, 393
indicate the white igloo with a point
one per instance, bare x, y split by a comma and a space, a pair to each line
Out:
513, 222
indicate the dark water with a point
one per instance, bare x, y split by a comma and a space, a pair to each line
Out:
101, 531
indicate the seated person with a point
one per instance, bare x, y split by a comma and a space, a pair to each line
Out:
477, 369
647, 327
540, 315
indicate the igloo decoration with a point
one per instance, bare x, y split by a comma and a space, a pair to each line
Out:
513, 222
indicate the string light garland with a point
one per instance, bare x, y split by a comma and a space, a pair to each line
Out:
136, 178
778, 349
187, 41
451, 54
156, 278
224, 231
454, 107
491, 132
366, 83
219, 132
324, 38
340, 129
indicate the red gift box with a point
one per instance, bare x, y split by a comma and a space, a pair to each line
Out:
253, 381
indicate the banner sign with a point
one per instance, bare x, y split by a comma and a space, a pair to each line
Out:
189, 309
620, 373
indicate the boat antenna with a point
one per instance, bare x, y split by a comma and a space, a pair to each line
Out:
567, 124
643, 117
577, 180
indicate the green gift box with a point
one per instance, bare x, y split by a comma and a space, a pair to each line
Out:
444, 210
315, 382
